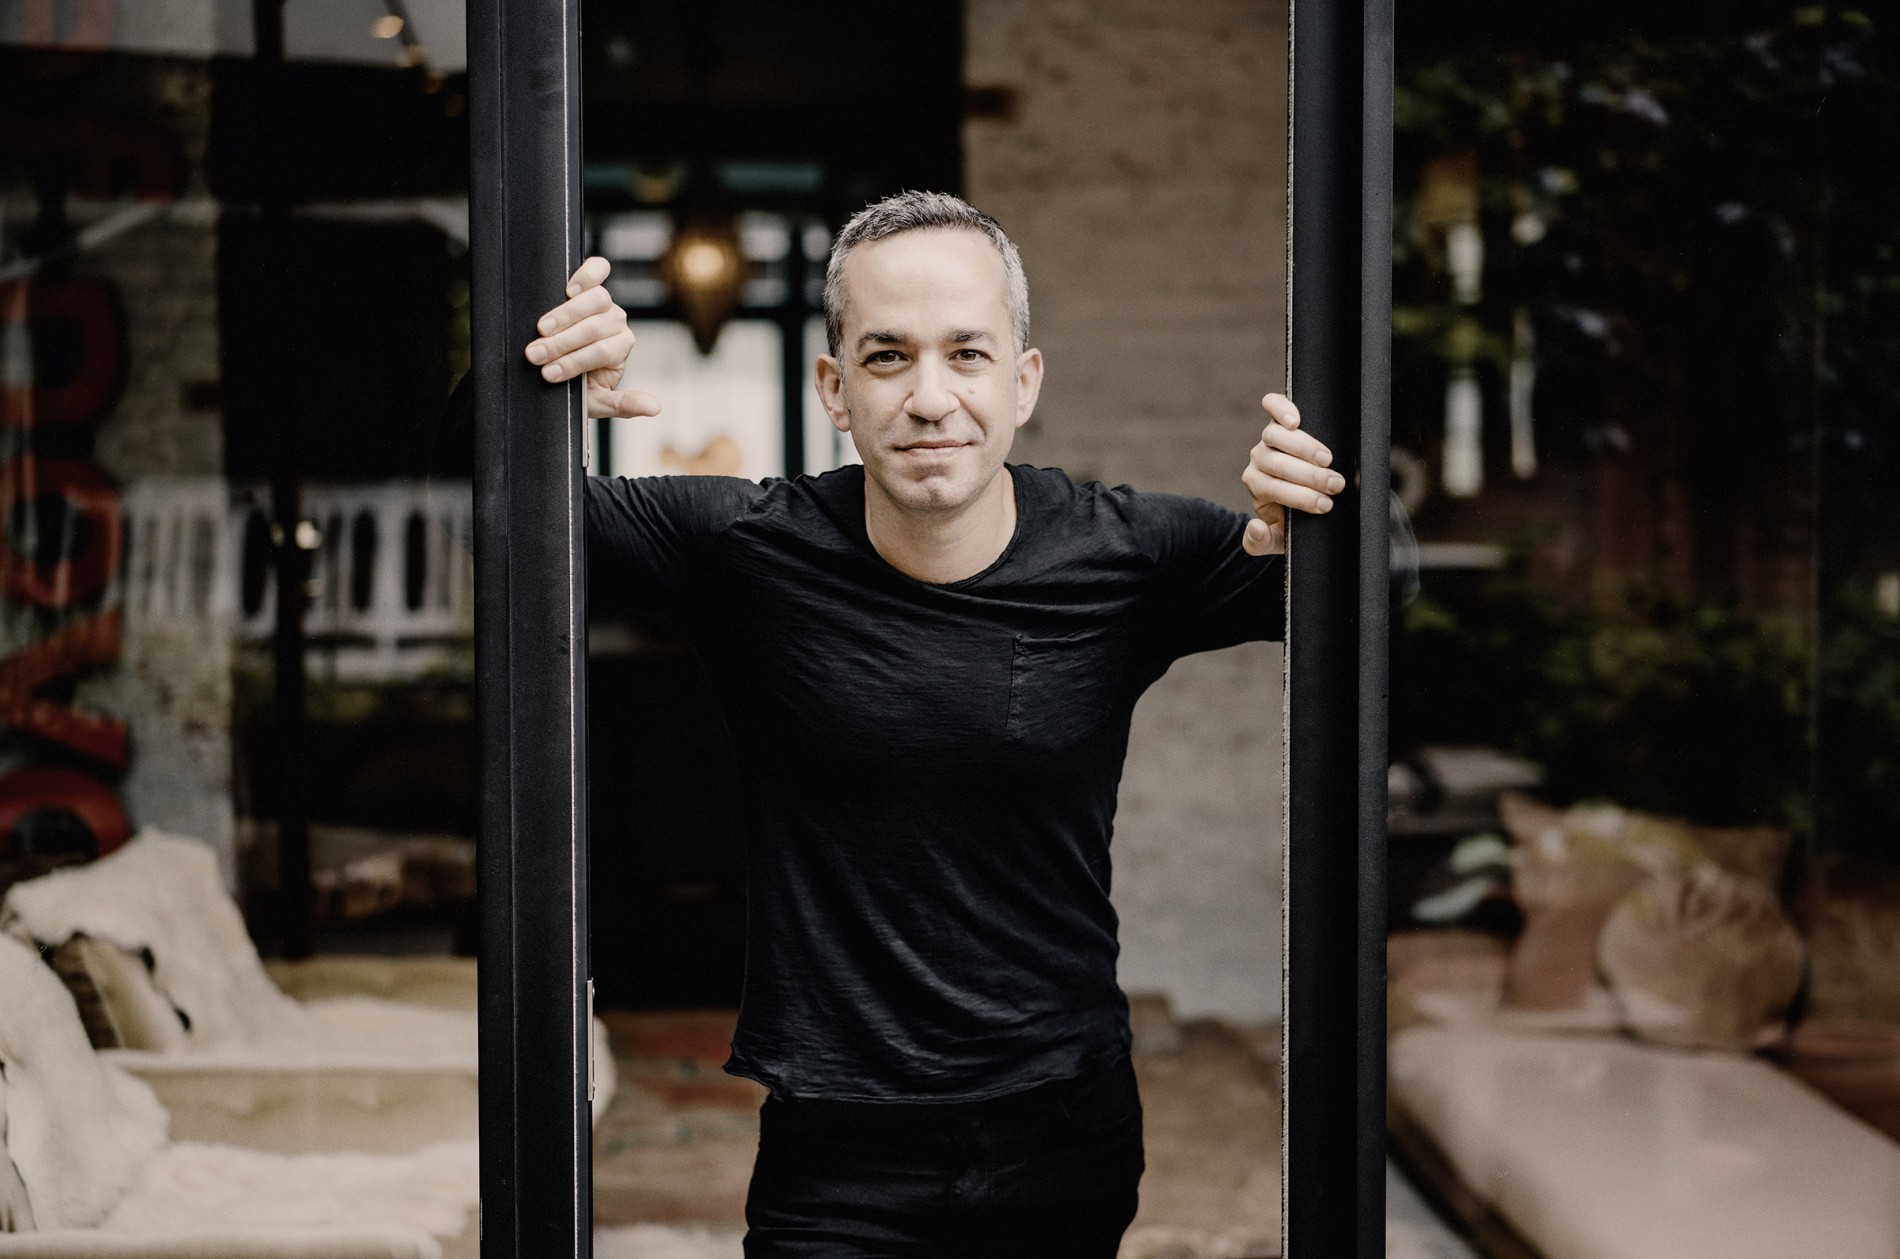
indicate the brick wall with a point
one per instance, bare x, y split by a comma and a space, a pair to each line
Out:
1137, 154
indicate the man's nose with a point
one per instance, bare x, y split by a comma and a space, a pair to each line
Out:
933, 398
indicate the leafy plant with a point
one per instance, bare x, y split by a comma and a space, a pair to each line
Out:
1695, 215
1692, 710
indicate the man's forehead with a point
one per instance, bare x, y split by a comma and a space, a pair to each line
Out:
934, 256
915, 278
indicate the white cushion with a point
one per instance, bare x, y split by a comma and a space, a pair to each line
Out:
127, 1009
1597, 1148
78, 1132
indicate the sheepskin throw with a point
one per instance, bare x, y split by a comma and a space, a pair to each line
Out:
160, 895
193, 1186
161, 892
79, 1132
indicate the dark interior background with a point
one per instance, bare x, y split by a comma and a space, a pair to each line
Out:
836, 107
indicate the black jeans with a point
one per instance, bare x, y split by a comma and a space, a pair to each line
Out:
1047, 1173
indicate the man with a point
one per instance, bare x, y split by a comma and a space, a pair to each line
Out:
929, 664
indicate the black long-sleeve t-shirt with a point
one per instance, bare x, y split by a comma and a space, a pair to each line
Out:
931, 770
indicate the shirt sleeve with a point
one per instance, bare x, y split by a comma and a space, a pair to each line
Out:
648, 538
1208, 592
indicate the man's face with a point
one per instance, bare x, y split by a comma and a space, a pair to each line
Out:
927, 380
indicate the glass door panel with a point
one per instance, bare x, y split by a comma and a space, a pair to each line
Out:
1643, 908
237, 808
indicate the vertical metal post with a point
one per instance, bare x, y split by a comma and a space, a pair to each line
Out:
292, 547
530, 635
1336, 668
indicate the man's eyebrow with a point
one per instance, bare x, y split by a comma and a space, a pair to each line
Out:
959, 336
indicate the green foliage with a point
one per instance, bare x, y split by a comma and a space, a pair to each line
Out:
1687, 709
1704, 232
1857, 777
1691, 710
1613, 177
1697, 711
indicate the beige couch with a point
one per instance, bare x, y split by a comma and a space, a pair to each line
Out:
384, 1107
87, 1166
1598, 1147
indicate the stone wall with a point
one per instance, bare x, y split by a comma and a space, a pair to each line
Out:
1136, 151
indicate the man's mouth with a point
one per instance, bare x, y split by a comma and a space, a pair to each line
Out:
930, 450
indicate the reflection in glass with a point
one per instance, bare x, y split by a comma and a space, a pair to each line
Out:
1645, 905
190, 336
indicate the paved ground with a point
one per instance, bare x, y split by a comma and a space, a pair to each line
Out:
676, 1144
674, 1151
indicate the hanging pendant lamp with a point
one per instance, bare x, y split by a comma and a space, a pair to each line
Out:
705, 271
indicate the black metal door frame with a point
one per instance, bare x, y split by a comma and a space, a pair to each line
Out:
1339, 304
531, 636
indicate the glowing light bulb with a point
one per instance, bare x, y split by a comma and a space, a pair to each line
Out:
702, 262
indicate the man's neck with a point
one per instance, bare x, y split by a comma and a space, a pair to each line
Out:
946, 546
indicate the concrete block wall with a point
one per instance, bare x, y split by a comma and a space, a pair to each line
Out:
1136, 152
173, 684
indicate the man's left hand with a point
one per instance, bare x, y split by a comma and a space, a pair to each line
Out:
1287, 468
587, 335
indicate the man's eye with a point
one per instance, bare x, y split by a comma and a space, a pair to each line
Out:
970, 356
882, 356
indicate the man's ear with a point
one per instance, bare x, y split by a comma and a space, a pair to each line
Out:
1028, 384
829, 378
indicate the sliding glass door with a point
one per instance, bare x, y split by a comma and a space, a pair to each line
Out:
1201, 224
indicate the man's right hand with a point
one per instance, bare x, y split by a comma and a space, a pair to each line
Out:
1286, 469
587, 335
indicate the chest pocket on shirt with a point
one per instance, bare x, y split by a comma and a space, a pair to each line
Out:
1062, 690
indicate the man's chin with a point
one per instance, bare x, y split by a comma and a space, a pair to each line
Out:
935, 494
931, 489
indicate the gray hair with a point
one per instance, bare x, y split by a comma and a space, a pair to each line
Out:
915, 212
